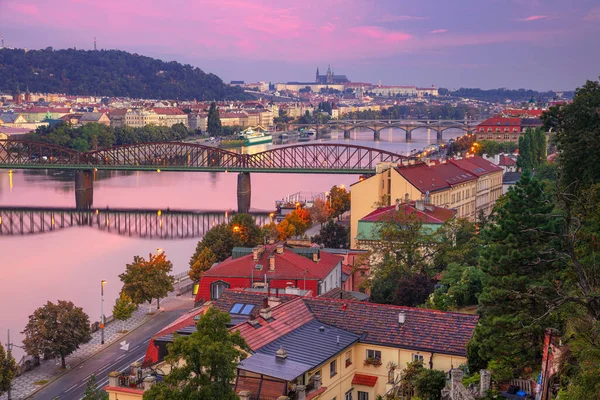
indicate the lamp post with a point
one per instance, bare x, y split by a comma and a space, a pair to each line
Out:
102, 283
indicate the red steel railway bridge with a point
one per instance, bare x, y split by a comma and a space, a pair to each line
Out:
318, 158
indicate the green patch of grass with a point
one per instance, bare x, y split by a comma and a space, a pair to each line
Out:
41, 383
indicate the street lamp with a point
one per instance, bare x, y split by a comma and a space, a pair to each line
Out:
102, 283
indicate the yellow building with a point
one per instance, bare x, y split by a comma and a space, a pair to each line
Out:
467, 185
322, 348
139, 118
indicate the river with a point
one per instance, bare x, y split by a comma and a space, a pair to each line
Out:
69, 264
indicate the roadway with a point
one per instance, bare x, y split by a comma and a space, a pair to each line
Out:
71, 386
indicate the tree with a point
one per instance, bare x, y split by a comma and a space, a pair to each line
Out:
56, 330
8, 369
429, 384
519, 261
299, 219
320, 211
285, 229
408, 378
241, 231
339, 200
532, 149
92, 391
333, 236
123, 308
144, 280
577, 129
412, 290
460, 286
213, 126
204, 363
206, 259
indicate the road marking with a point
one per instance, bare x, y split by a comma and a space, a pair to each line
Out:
124, 345
71, 388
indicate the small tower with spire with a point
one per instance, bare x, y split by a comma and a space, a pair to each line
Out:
329, 74
317, 76
2, 41
95, 44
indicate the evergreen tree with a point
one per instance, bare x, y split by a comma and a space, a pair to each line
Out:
213, 126
519, 262
333, 236
204, 363
8, 369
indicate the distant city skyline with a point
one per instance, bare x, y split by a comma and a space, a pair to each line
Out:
533, 44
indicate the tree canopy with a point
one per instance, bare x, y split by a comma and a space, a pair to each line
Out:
8, 369
109, 73
124, 308
213, 126
145, 280
333, 235
204, 363
56, 330
339, 201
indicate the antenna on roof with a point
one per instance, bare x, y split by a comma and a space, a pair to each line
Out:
2, 42
95, 43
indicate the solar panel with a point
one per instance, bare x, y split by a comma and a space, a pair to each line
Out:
247, 308
236, 308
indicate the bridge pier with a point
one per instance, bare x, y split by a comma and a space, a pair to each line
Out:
346, 134
408, 134
244, 192
84, 189
377, 135
440, 135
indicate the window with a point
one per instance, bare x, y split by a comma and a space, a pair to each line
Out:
333, 368
348, 395
236, 308
217, 288
348, 358
374, 354
417, 357
247, 308
363, 396
243, 309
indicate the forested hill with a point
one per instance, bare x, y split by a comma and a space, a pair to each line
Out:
108, 73
500, 95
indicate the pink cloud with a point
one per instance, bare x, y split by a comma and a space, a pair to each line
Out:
380, 34
532, 18
593, 14
400, 18
439, 31
25, 8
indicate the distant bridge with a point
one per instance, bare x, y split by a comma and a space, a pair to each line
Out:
327, 158
406, 125
145, 224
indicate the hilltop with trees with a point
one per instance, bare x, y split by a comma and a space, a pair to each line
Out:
108, 73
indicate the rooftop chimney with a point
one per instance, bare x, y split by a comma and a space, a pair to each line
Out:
401, 318
419, 205
272, 262
256, 253
315, 256
265, 313
281, 354
427, 197
397, 204
280, 248
265, 302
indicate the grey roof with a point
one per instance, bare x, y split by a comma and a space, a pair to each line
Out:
91, 116
511, 177
267, 364
9, 118
311, 344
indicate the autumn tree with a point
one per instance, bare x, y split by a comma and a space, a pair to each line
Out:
56, 330
206, 259
204, 363
339, 200
8, 369
285, 229
300, 219
145, 280
320, 211
123, 309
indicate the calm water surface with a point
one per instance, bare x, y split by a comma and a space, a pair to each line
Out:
69, 264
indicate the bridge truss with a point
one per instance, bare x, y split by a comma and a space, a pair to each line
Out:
177, 156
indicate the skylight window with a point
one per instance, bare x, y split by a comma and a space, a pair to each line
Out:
247, 308
236, 308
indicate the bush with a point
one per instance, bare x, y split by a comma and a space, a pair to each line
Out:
429, 384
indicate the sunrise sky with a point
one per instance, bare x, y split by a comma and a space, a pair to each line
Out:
539, 44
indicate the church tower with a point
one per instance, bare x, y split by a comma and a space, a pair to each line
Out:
329, 74
317, 77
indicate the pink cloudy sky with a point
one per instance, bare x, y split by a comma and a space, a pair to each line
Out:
541, 44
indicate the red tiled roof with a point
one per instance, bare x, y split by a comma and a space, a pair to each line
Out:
117, 111
512, 112
288, 265
168, 111
233, 296
476, 165
431, 215
423, 329
365, 380
422, 177
452, 174
286, 317
501, 121
314, 394
507, 161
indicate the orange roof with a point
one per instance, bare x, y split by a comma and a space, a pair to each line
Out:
365, 380
430, 215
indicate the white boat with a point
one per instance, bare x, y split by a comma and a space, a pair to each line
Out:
257, 136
